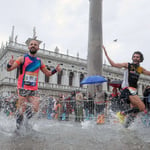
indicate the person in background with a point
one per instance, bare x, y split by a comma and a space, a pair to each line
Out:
146, 98
91, 106
68, 106
79, 107
59, 108
50, 108
86, 107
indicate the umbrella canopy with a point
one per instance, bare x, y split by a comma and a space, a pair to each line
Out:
93, 79
115, 83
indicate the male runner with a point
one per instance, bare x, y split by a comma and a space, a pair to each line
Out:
28, 79
133, 71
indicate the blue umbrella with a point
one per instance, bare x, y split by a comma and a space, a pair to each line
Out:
93, 79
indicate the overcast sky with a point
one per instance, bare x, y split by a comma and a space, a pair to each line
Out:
64, 23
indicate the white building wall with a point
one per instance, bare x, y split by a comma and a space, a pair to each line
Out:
140, 91
108, 71
53, 78
76, 79
41, 77
65, 77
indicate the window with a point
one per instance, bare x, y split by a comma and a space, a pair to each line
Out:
17, 74
47, 77
59, 77
71, 78
81, 78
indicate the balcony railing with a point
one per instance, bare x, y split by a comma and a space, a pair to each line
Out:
43, 85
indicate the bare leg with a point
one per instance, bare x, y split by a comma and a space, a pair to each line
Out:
20, 110
137, 102
21, 104
35, 103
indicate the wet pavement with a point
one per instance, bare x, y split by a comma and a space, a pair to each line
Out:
46, 134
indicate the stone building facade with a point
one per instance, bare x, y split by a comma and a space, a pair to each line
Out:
74, 69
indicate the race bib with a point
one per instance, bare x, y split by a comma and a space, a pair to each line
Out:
30, 78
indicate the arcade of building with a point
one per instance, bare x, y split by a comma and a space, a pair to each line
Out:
74, 69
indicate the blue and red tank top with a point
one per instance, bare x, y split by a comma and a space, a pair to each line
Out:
28, 78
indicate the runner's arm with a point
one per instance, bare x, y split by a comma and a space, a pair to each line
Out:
146, 72
49, 72
118, 65
12, 64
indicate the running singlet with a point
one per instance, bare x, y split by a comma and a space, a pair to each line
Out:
134, 72
28, 78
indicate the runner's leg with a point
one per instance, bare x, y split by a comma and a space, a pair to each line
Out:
131, 110
20, 110
137, 102
35, 103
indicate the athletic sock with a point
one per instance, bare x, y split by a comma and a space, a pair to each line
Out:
131, 110
28, 112
129, 120
19, 120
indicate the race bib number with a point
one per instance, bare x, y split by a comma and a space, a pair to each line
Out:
30, 78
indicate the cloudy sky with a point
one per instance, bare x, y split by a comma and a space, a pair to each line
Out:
64, 23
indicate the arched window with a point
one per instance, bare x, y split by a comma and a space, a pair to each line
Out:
59, 77
17, 74
71, 78
81, 78
47, 77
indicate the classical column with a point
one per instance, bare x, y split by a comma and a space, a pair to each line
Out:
140, 91
41, 78
94, 59
65, 77
53, 79
76, 79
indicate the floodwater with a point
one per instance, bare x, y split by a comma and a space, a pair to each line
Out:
45, 134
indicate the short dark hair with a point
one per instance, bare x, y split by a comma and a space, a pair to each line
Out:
139, 53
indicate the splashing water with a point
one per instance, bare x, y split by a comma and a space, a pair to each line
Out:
69, 135
39, 133
7, 124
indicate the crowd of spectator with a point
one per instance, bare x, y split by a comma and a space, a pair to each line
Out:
77, 106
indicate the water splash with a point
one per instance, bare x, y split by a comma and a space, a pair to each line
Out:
54, 134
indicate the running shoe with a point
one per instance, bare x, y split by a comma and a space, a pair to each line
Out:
121, 117
28, 112
129, 120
